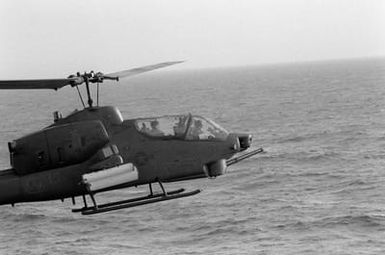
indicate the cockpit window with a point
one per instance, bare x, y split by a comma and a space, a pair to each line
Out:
166, 126
182, 127
205, 129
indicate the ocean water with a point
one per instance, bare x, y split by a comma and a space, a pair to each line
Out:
318, 189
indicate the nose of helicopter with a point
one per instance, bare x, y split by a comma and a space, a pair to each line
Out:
235, 142
240, 141
245, 140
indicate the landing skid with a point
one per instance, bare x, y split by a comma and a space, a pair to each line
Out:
149, 199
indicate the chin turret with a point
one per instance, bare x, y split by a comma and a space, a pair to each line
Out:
215, 168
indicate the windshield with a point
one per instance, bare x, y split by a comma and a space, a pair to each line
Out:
204, 129
166, 126
181, 126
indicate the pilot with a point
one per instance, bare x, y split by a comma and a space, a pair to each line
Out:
180, 128
196, 131
144, 128
155, 129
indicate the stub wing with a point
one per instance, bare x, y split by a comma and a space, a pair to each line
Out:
110, 177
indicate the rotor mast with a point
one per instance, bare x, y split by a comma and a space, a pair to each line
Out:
88, 78
88, 90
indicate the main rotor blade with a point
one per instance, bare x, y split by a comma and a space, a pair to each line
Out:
142, 69
59, 83
35, 84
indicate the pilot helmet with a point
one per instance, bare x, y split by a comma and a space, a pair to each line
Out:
154, 123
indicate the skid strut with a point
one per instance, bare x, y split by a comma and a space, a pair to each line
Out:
149, 199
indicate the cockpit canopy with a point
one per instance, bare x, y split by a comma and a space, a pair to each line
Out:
186, 127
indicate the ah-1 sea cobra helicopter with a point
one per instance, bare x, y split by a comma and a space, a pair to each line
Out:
94, 150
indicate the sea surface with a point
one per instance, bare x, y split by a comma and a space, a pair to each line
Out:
318, 189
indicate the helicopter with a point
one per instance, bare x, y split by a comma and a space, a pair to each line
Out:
95, 150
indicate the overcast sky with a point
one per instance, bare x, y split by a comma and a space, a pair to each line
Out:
48, 38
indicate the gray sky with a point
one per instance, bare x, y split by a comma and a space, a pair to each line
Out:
47, 38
